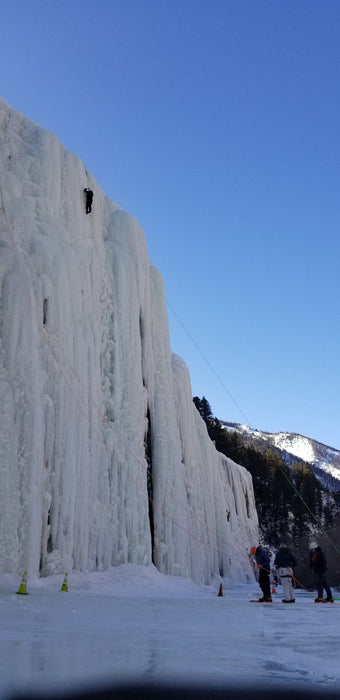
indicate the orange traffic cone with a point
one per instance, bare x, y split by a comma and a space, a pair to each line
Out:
220, 591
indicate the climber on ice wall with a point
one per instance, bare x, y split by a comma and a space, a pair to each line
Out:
88, 199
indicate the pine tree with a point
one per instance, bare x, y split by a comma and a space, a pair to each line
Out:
205, 409
197, 402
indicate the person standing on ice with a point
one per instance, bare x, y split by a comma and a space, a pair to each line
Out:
317, 562
263, 563
284, 561
88, 199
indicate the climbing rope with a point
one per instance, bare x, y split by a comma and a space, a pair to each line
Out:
241, 555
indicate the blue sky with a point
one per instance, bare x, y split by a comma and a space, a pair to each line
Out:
216, 123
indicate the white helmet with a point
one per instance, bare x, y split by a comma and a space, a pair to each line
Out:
313, 545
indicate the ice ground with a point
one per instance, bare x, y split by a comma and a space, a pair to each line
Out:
133, 624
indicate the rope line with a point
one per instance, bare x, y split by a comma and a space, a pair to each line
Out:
290, 481
109, 425
308, 509
208, 363
138, 461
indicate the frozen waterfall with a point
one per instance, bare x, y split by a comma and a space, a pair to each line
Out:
104, 458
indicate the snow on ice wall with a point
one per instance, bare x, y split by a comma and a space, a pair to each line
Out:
97, 416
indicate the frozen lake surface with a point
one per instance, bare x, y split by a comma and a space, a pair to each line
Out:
134, 624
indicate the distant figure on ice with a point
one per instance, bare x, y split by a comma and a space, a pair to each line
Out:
317, 562
263, 562
284, 561
88, 199
228, 515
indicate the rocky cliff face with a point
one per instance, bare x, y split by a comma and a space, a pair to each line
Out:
103, 456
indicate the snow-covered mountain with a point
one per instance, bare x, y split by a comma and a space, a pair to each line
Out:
323, 460
103, 457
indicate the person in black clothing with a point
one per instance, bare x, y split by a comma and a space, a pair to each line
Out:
88, 199
285, 561
263, 562
317, 562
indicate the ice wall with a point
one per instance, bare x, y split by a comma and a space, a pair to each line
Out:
104, 458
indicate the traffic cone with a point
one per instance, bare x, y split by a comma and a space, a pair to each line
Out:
65, 584
220, 591
23, 586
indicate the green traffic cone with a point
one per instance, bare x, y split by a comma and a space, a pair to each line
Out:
23, 586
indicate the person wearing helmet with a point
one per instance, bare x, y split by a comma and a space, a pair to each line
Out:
263, 563
284, 561
317, 562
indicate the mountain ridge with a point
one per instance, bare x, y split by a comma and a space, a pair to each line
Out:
293, 447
